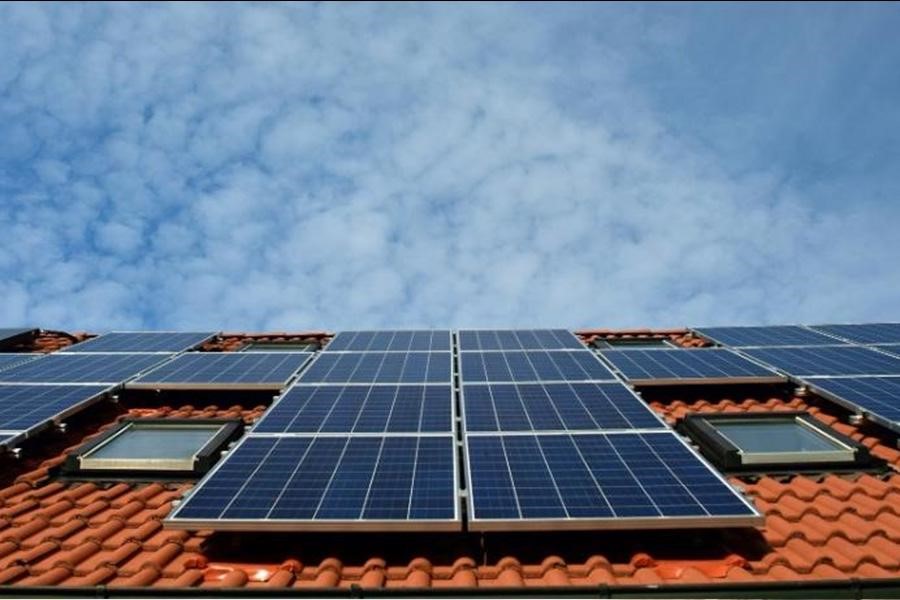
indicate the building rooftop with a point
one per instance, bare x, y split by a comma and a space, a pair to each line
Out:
839, 531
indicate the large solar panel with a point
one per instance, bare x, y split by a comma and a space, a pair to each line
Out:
682, 366
825, 361
864, 333
26, 407
390, 341
109, 369
13, 359
518, 339
361, 409
144, 341
554, 407
772, 335
231, 370
877, 397
379, 367
328, 483
532, 366
595, 481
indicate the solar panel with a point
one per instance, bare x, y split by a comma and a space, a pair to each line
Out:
25, 407
231, 370
328, 483
433, 340
554, 407
532, 366
772, 335
827, 361
379, 367
891, 348
518, 339
682, 366
864, 333
144, 341
13, 359
595, 481
878, 397
109, 369
361, 409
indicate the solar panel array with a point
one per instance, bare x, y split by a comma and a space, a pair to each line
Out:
365, 437
864, 333
528, 339
828, 361
230, 370
877, 397
554, 440
107, 369
774, 335
685, 366
165, 342
12, 359
25, 408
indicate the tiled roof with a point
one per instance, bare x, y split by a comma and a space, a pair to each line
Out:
839, 528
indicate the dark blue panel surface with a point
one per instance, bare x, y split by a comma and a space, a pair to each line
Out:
683, 364
555, 406
772, 335
343, 478
361, 409
81, 368
379, 367
146, 341
23, 407
595, 477
228, 368
518, 339
11, 332
12, 359
394, 341
879, 396
828, 361
864, 333
536, 365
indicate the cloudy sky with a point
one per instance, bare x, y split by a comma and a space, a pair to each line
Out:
340, 166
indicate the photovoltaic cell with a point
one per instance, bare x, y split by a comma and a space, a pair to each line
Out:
147, 341
594, 481
24, 407
109, 369
328, 482
554, 407
518, 339
532, 366
379, 367
233, 370
773, 335
686, 366
12, 359
361, 409
864, 333
390, 341
877, 396
828, 361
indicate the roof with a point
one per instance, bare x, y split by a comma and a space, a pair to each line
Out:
827, 529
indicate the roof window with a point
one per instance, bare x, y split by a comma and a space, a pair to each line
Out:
177, 447
763, 441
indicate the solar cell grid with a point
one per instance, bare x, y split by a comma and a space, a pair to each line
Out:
24, 407
532, 366
390, 341
13, 359
143, 341
876, 396
554, 407
772, 335
864, 333
361, 409
596, 480
301, 482
379, 367
109, 369
233, 370
686, 366
517, 339
828, 361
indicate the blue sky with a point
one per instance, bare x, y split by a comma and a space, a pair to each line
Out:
340, 166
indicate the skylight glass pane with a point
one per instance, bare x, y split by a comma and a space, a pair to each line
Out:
156, 443
775, 436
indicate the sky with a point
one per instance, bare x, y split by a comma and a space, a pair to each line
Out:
339, 166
